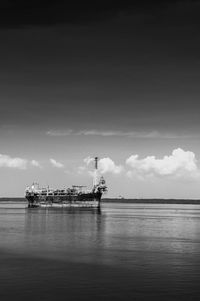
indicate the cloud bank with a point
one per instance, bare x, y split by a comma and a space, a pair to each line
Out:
56, 164
179, 164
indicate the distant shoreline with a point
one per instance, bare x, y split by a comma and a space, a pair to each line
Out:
152, 201
121, 200
3, 199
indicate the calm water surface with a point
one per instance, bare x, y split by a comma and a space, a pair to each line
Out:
124, 252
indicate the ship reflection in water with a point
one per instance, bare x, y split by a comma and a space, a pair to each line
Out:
63, 232
123, 252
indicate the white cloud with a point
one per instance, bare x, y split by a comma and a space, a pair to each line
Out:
110, 133
7, 161
35, 163
88, 160
56, 164
81, 169
59, 133
105, 165
179, 164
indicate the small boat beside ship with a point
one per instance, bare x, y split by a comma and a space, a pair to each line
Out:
75, 196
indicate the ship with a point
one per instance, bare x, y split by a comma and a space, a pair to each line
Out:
75, 196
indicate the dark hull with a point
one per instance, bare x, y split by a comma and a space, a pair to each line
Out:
80, 200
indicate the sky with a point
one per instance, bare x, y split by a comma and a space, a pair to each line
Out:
116, 81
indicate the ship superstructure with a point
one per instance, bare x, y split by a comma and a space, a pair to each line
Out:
76, 196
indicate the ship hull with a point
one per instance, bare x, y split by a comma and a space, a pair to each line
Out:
80, 200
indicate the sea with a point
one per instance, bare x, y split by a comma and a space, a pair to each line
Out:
124, 251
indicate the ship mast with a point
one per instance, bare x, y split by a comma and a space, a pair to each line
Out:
95, 178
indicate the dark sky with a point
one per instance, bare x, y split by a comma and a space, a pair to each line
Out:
45, 12
84, 75
133, 66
